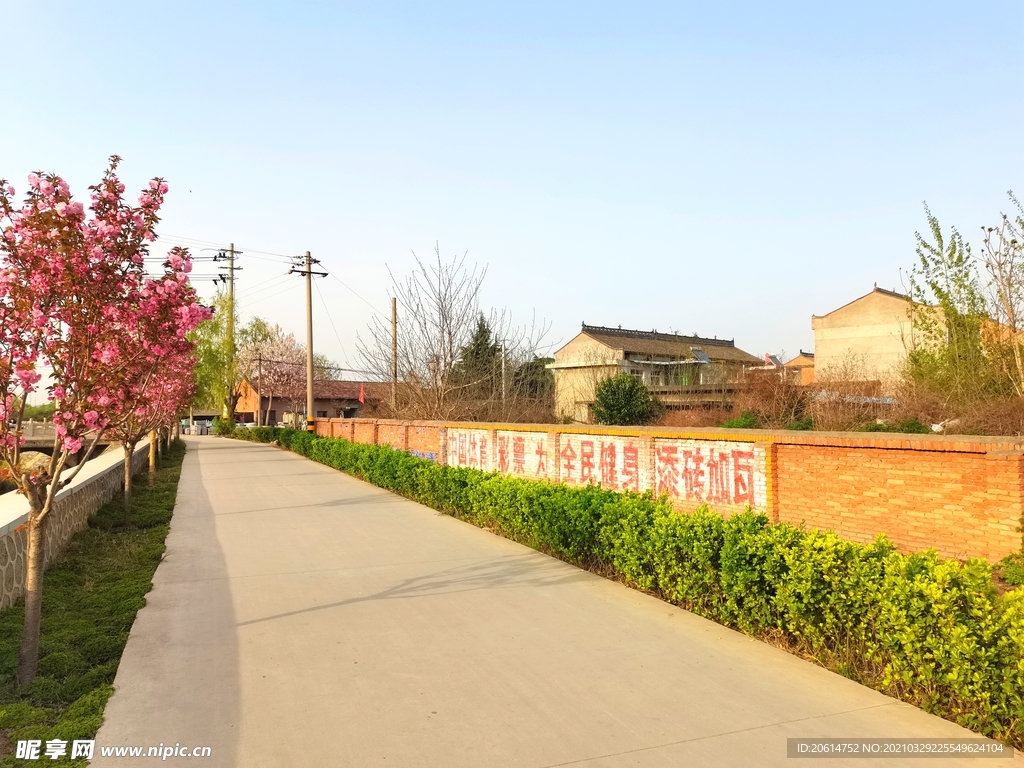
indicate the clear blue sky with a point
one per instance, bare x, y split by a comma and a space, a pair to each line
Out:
721, 168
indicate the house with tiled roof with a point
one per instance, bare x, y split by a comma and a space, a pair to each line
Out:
331, 399
684, 371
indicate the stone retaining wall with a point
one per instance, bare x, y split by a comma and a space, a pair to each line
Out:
97, 483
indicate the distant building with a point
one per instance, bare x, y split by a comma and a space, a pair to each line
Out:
684, 371
867, 339
331, 399
803, 367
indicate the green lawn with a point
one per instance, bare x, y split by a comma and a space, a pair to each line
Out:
90, 598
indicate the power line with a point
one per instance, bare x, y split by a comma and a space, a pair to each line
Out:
253, 289
272, 295
358, 296
344, 353
248, 251
329, 367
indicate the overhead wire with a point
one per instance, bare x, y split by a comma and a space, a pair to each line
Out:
344, 352
272, 295
356, 294
253, 289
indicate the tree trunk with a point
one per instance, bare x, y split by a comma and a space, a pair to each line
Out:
129, 450
28, 656
152, 455
270, 402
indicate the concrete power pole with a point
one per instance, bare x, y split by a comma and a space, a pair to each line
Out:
230, 329
310, 425
259, 389
394, 353
308, 273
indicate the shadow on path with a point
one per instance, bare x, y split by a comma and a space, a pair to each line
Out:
516, 571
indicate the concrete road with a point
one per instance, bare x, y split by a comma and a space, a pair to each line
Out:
303, 618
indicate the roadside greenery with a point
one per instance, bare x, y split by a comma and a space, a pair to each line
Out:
90, 600
624, 400
929, 631
223, 427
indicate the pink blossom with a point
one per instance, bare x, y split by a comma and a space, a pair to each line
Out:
27, 376
33, 180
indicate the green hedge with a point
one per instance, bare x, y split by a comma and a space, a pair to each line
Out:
929, 631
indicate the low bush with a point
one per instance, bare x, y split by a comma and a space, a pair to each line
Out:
1011, 569
932, 632
746, 420
223, 427
907, 426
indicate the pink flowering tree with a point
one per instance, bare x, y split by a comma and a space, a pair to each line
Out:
71, 283
161, 382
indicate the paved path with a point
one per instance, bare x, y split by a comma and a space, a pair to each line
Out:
301, 617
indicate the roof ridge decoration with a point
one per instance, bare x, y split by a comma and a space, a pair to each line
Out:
653, 334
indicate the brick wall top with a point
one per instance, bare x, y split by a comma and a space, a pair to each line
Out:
944, 443
932, 443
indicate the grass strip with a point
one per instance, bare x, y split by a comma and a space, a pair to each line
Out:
90, 598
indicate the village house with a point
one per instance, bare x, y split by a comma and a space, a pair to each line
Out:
802, 368
331, 399
683, 371
866, 339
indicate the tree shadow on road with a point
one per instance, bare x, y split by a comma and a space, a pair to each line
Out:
528, 570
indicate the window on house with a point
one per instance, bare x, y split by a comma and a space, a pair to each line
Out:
321, 414
272, 417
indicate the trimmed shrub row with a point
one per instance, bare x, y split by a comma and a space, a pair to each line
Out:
929, 631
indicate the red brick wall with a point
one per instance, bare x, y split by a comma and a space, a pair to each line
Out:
426, 439
963, 497
364, 431
962, 504
390, 432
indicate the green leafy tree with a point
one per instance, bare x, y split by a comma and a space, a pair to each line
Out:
625, 400
212, 357
221, 366
948, 316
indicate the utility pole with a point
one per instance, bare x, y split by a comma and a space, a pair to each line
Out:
259, 389
308, 272
394, 352
229, 280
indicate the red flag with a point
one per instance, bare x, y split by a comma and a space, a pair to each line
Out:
362, 394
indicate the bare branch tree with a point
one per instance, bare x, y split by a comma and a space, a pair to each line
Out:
1004, 261
439, 314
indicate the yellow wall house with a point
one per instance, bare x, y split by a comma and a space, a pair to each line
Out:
867, 339
684, 371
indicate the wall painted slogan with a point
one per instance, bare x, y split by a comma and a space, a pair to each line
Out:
722, 473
